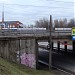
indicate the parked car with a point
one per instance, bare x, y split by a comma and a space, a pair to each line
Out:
48, 46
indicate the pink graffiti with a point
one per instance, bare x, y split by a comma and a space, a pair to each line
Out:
28, 60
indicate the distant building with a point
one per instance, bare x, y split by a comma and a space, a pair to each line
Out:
11, 24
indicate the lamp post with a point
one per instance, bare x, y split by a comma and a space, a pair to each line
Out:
50, 43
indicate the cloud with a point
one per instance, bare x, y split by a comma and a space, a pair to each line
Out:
29, 11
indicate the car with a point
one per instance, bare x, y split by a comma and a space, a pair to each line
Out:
48, 46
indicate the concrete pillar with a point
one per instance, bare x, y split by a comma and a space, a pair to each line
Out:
5, 48
58, 46
9, 49
28, 52
14, 49
73, 44
36, 47
2, 50
65, 46
19, 51
52, 45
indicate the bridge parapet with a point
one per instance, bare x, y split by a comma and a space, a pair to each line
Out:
38, 35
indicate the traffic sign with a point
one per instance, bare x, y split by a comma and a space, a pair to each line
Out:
73, 37
73, 31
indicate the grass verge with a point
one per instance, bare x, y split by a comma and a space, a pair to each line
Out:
10, 68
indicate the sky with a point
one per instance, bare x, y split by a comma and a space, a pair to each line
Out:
29, 11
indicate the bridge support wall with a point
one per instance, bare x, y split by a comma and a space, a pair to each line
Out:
28, 52
22, 51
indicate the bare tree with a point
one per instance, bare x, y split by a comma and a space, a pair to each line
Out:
61, 23
71, 23
42, 23
65, 22
56, 23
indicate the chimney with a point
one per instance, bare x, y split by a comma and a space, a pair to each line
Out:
3, 14
3, 17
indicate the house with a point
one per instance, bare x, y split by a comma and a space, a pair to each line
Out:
11, 24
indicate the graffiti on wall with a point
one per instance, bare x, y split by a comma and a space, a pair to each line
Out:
28, 60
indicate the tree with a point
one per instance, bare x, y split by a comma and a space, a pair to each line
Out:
42, 23
65, 22
61, 23
56, 23
37, 24
71, 23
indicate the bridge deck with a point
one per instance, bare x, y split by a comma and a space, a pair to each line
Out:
35, 34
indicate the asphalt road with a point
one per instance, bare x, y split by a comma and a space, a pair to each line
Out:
62, 60
69, 47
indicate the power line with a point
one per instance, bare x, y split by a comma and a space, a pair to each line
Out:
33, 13
33, 10
59, 1
23, 10
37, 6
21, 16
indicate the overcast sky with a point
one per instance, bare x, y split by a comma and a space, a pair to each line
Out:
28, 11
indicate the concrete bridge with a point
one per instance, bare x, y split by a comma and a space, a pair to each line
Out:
37, 34
22, 47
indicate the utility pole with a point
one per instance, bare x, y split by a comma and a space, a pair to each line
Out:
50, 43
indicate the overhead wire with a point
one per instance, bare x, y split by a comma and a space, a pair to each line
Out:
29, 11
36, 6
60, 1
